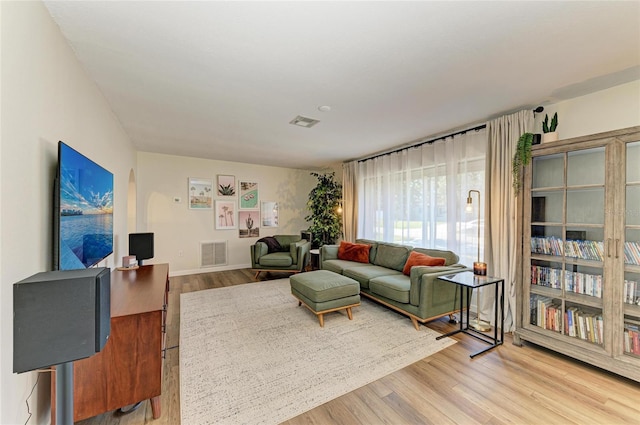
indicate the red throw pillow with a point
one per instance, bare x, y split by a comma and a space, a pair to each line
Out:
354, 252
418, 259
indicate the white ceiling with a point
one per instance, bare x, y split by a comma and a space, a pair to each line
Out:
222, 80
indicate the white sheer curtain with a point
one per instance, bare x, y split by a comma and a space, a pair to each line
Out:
349, 201
503, 133
417, 196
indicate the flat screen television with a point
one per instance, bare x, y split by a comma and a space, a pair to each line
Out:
83, 211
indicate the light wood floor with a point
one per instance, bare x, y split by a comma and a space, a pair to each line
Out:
519, 385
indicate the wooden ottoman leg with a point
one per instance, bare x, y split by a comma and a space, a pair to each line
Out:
349, 313
299, 303
321, 319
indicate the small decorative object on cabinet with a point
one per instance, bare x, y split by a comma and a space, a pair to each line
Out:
549, 130
578, 290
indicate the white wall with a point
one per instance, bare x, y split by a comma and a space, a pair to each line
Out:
611, 109
46, 97
178, 230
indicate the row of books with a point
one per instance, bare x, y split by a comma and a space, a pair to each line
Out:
631, 339
578, 324
546, 276
549, 246
631, 293
583, 283
547, 314
583, 249
579, 283
632, 253
586, 326
586, 250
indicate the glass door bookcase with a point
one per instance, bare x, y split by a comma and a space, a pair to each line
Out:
579, 289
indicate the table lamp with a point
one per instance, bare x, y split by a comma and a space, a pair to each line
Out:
479, 268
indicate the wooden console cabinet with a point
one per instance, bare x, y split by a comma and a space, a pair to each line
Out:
129, 367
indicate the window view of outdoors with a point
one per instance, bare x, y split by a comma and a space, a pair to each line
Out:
426, 208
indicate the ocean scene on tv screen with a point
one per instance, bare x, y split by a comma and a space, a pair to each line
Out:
86, 211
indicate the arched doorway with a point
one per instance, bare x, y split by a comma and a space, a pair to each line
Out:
132, 203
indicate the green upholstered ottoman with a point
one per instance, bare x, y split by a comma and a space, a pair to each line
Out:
322, 291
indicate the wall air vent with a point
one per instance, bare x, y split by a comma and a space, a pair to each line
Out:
304, 121
213, 253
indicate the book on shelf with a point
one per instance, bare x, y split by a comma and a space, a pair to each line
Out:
546, 276
581, 249
632, 253
583, 283
630, 293
631, 339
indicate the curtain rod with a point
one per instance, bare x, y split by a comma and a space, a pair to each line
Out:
430, 141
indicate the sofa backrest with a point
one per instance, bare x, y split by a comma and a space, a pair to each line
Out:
449, 256
286, 240
391, 256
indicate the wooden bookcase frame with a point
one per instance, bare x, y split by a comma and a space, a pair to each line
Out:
610, 354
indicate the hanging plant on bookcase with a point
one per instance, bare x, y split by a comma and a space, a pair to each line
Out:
323, 203
521, 158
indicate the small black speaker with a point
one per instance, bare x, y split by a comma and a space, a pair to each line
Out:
60, 316
141, 245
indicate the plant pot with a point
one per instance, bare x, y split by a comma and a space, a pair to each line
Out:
549, 137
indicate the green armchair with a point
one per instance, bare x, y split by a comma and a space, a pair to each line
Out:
282, 253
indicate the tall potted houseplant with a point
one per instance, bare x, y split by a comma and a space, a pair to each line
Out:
323, 205
549, 129
521, 158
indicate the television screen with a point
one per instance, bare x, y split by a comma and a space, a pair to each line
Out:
83, 222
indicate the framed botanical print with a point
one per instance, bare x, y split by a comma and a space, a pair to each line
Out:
226, 215
200, 194
226, 185
249, 224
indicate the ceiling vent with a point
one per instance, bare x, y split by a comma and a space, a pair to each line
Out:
304, 121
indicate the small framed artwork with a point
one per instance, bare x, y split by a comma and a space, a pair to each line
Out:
248, 195
225, 215
249, 224
269, 214
226, 185
200, 194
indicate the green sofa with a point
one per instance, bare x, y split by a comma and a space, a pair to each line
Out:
292, 256
421, 296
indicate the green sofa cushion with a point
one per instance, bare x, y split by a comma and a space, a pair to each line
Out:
394, 287
276, 259
322, 285
367, 272
392, 256
338, 266
286, 240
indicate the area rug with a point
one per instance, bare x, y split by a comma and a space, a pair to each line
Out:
250, 355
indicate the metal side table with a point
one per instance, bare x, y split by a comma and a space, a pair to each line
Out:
470, 281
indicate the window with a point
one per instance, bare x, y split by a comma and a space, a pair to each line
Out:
417, 196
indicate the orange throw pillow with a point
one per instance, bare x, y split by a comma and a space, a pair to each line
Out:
418, 259
354, 252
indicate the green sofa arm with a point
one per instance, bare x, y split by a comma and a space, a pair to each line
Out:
429, 293
328, 252
299, 251
257, 251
